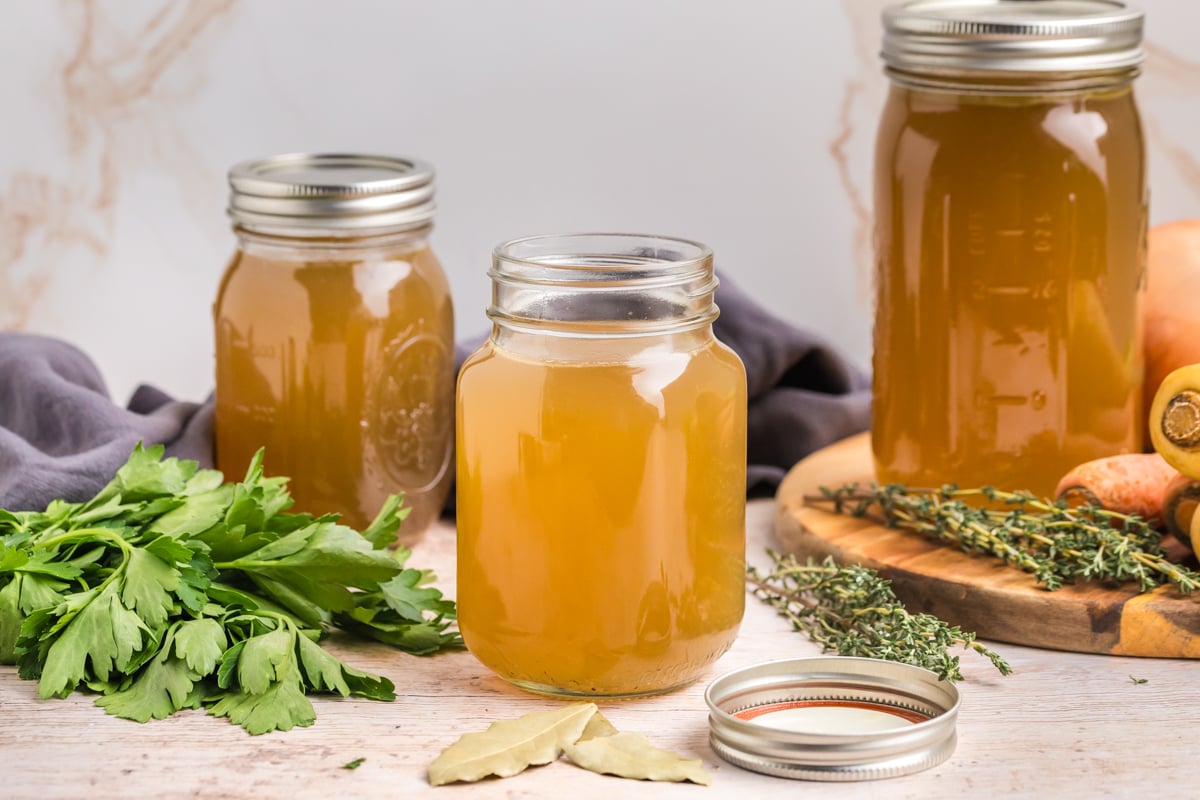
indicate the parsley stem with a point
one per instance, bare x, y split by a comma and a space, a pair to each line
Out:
92, 535
244, 565
86, 534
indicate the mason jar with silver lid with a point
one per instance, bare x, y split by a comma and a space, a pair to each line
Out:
1010, 232
334, 335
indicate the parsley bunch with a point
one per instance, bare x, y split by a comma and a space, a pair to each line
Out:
172, 589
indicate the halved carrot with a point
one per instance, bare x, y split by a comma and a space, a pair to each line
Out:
1175, 420
1134, 483
1180, 501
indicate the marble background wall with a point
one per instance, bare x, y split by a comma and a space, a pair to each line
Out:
747, 125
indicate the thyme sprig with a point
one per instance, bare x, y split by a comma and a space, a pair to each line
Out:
851, 610
1053, 542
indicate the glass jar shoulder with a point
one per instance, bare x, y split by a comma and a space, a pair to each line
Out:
399, 283
959, 133
283, 256
723, 357
602, 372
700, 352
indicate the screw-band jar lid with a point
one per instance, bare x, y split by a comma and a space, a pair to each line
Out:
334, 191
833, 718
989, 36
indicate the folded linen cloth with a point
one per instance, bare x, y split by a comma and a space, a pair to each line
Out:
61, 435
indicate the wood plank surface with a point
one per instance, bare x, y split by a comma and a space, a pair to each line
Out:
1063, 725
979, 593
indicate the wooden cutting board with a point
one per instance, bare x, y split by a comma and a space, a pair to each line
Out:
980, 594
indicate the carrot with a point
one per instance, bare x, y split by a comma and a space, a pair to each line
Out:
1172, 328
1134, 483
1180, 500
1175, 420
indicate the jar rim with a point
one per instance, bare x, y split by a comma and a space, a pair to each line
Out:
602, 284
583, 251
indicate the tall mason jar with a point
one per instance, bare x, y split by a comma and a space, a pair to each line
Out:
601, 469
1011, 218
334, 335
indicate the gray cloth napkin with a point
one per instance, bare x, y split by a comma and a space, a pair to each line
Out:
803, 395
61, 435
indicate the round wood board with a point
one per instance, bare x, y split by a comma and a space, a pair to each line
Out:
980, 594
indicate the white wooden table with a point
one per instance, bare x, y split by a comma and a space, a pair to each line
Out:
1065, 725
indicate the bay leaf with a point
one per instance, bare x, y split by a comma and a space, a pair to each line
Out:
509, 746
630, 755
597, 727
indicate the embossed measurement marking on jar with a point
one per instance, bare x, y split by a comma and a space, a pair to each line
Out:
246, 357
1014, 319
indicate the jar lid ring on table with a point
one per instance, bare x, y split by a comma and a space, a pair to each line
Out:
833, 718
1080, 37
332, 192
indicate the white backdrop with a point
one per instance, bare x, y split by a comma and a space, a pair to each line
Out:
747, 125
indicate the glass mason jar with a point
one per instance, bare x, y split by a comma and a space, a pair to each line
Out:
601, 469
1011, 219
334, 335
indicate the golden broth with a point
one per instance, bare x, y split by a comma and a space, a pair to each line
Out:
601, 515
1010, 239
343, 371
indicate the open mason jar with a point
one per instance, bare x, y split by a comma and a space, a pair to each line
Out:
1011, 219
601, 469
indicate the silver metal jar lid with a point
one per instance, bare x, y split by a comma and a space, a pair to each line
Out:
335, 191
833, 718
1063, 36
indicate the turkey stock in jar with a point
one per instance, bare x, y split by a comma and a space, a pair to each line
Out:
1011, 216
334, 335
601, 469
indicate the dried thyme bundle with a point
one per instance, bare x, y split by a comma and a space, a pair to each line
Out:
1055, 543
852, 610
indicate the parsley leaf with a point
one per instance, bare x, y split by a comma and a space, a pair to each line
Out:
196, 514
282, 706
404, 612
265, 687
326, 673
200, 643
314, 569
408, 595
147, 586
11, 618
168, 682
382, 531
97, 634
146, 476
